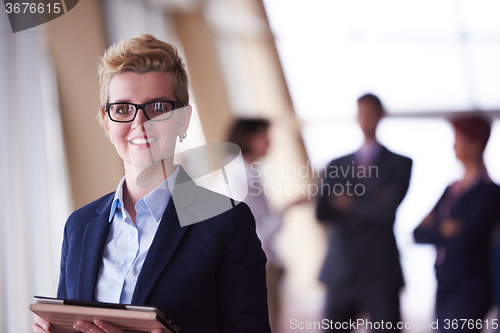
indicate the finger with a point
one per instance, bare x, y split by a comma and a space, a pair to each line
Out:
87, 327
35, 328
156, 330
42, 323
107, 327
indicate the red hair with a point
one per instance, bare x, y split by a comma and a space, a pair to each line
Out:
475, 128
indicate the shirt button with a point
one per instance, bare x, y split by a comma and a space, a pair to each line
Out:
117, 286
134, 232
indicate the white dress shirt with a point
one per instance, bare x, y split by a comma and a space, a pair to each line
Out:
267, 222
128, 243
367, 154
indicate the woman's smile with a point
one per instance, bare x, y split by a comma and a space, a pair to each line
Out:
142, 141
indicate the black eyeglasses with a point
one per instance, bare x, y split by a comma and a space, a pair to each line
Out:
154, 111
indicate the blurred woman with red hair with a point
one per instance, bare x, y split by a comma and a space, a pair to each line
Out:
461, 225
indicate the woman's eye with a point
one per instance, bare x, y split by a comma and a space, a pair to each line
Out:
159, 107
124, 109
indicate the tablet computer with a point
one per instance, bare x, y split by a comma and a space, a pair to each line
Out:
63, 314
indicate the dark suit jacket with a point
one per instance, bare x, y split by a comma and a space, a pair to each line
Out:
495, 263
208, 276
464, 268
362, 248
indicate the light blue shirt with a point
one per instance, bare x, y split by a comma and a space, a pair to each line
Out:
128, 244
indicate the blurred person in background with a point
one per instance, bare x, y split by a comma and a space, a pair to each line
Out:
159, 239
252, 136
358, 203
495, 260
461, 226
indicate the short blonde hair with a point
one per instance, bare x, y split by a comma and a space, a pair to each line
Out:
142, 54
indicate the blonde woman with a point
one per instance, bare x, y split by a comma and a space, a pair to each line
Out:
159, 239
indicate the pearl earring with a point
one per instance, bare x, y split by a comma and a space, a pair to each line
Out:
182, 136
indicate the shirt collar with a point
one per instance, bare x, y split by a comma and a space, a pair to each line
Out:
117, 200
370, 148
156, 200
482, 177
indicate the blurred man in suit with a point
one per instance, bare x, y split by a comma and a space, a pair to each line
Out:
360, 195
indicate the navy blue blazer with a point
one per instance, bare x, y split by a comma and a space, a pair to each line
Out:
362, 249
207, 277
464, 267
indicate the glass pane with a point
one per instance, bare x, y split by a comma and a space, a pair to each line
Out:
480, 17
418, 77
415, 55
368, 17
485, 65
323, 78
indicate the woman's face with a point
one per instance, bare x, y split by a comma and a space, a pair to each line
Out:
259, 144
143, 142
466, 150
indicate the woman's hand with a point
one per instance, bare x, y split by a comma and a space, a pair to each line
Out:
297, 202
428, 220
342, 202
42, 326
450, 227
99, 326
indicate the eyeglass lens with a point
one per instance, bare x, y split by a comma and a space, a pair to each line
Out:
154, 110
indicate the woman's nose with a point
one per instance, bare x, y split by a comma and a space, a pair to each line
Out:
140, 118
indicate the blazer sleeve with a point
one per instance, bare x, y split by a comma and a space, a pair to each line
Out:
379, 207
241, 277
325, 212
477, 219
428, 233
61, 290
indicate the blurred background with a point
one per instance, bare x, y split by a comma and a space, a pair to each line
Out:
301, 64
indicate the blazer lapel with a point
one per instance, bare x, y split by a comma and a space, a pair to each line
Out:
381, 157
379, 163
94, 241
167, 239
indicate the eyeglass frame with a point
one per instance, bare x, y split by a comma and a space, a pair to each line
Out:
142, 107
